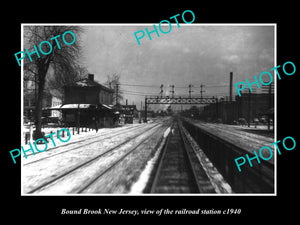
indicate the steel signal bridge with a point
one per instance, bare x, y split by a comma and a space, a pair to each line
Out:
178, 100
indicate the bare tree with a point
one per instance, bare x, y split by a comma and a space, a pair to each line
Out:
56, 81
113, 82
63, 58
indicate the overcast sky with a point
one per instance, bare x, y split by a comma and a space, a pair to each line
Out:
192, 54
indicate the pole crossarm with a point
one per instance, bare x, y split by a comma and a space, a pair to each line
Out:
180, 100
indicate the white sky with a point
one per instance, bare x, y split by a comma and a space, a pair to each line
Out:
192, 54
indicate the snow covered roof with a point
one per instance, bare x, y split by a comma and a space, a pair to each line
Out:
76, 106
70, 106
106, 106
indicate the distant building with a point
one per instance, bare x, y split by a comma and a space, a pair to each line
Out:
128, 112
248, 106
56, 101
29, 102
128, 109
255, 105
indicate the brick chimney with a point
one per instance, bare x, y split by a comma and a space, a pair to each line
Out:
91, 77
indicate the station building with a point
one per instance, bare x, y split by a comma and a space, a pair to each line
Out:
88, 104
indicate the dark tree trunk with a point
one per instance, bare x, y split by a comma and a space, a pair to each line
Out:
42, 71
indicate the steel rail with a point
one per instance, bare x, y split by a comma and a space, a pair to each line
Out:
87, 162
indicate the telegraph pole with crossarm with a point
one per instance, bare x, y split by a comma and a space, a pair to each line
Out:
201, 91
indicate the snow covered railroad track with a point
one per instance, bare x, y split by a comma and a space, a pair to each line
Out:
79, 171
78, 143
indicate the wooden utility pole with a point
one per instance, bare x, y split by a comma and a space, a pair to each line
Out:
190, 91
117, 94
161, 90
201, 91
145, 120
230, 87
217, 107
249, 107
172, 86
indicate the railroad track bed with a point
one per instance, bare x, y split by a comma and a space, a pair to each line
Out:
97, 166
179, 170
113, 163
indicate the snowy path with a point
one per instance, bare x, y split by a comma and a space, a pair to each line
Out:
70, 167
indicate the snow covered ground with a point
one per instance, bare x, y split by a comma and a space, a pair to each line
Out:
92, 163
75, 166
74, 137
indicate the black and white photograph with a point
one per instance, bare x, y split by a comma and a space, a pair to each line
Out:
177, 109
149, 111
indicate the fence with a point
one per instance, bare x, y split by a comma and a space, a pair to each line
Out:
29, 135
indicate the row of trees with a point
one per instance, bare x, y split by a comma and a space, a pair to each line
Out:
62, 66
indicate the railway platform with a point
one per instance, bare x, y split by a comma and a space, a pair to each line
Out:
236, 135
223, 143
